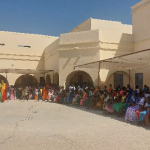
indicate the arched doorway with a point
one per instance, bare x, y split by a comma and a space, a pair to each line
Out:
119, 78
56, 79
48, 79
26, 80
79, 78
3, 78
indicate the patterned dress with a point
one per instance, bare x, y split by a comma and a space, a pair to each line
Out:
131, 113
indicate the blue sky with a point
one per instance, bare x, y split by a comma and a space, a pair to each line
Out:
53, 17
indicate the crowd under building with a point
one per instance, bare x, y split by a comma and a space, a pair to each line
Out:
29, 59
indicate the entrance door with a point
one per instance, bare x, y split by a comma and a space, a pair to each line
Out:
27, 80
139, 80
118, 80
80, 79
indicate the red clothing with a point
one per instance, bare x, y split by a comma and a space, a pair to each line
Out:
4, 95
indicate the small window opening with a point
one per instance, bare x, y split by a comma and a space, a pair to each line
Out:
24, 46
2, 44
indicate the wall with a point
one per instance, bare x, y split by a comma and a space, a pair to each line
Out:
141, 33
17, 57
78, 48
52, 58
141, 21
85, 26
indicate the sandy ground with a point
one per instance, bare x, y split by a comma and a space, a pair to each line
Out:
47, 126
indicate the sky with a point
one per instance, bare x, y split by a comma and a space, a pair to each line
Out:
54, 17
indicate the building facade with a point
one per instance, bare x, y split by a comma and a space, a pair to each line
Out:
92, 40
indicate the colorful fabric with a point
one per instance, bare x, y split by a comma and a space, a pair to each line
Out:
83, 99
45, 92
131, 114
109, 108
120, 107
3, 88
12, 94
142, 115
1, 96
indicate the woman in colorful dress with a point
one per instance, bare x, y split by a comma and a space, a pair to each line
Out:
45, 93
3, 90
17, 93
110, 102
12, 93
77, 98
0, 95
131, 111
36, 94
121, 106
101, 102
83, 98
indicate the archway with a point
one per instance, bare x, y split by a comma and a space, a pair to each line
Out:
3, 78
26, 80
48, 79
79, 78
56, 79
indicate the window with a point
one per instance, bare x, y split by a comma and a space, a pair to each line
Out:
139, 80
24, 46
2, 44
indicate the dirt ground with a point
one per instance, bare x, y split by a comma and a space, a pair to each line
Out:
32, 125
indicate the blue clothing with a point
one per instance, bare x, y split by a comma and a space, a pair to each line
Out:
141, 101
129, 97
133, 99
71, 97
142, 115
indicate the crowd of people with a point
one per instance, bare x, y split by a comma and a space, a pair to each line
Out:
133, 104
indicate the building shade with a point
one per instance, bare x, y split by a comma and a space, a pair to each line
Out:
131, 61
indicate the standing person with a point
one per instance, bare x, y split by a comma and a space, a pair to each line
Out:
110, 88
48, 95
33, 93
1, 95
26, 93
44, 93
30, 93
8, 93
41, 93
3, 87
11, 93
17, 92
36, 94
14, 93
130, 93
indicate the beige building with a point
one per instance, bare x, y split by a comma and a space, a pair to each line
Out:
92, 40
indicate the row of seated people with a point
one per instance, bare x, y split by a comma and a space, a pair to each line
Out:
134, 104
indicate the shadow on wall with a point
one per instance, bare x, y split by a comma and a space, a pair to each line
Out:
52, 46
40, 66
124, 47
69, 54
